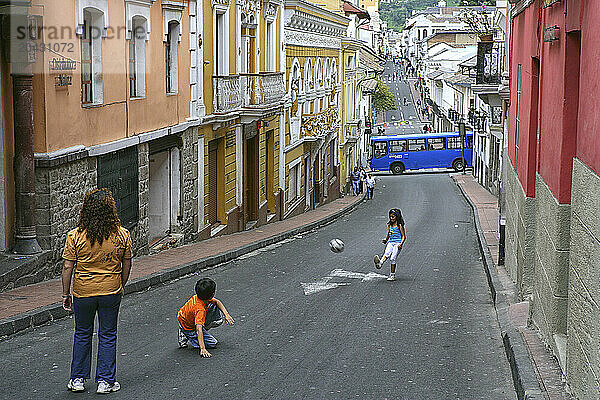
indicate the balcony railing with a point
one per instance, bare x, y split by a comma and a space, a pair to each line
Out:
247, 90
227, 93
490, 58
319, 125
262, 89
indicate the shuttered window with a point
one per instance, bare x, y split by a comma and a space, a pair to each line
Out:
118, 171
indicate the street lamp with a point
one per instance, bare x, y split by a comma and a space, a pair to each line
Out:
462, 135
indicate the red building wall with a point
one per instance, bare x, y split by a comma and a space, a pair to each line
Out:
561, 120
524, 51
558, 109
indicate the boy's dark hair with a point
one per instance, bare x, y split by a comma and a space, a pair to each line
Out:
205, 288
398, 214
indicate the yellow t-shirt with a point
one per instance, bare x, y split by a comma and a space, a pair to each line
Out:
97, 268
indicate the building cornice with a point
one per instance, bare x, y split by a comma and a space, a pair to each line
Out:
309, 39
299, 7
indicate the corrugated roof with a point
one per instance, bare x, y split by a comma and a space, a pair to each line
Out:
351, 8
435, 74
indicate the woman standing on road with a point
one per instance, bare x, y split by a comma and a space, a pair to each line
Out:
99, 251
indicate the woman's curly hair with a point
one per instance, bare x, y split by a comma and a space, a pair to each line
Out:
98, 216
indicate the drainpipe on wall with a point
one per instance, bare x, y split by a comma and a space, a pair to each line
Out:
21, 59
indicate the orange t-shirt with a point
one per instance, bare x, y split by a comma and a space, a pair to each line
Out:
97, 268
193, 313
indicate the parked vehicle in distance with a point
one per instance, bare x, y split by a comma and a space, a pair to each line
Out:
399, 153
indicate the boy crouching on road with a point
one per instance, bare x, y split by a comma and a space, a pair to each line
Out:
198, 315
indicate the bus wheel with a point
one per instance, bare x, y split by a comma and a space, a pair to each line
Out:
397, 168
458, 164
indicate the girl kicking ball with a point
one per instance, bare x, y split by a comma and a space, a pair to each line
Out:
395, 239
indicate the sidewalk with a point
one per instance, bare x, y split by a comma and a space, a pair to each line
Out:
536, 372
416, 96
34, 305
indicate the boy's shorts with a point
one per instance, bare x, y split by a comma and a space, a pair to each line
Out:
213, 314
391, 251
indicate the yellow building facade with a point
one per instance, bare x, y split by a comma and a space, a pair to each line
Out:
240, 136
313, 53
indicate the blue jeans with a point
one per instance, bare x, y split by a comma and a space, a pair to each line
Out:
85, 309
369, 192
210, 342
355, 188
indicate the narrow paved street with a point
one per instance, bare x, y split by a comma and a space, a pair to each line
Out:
404, 119
432, 334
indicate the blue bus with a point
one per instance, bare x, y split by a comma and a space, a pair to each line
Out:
418, 151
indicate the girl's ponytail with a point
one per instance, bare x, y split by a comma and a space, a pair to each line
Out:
399, 216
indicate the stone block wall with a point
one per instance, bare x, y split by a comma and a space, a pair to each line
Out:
189, 190
520, 233
139, 233
583, 326
551, 264
60, 190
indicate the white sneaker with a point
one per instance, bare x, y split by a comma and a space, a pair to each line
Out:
392, 277
377, 262
76, 385
104, 387
214, 324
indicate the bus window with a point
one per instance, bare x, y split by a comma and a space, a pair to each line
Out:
436, 143
454, 143
416, 144
380, 149
469, 142
397, 146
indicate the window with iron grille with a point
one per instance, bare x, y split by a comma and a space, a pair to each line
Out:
86, 60
518, 118
168, 61
118, 171
132, 67
496, 115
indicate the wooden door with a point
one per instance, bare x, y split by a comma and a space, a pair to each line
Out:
269, 166
212, 181
251, 174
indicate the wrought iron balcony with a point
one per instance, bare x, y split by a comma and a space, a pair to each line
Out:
490, 58
262, 89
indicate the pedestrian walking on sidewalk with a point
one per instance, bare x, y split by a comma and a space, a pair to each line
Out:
363, 178
394, 240
97, 257
355, 179
199, 314
370, 186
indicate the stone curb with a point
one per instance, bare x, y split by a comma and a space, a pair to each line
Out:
524, 376
42, 315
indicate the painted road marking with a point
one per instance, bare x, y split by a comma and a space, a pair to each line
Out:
325, 284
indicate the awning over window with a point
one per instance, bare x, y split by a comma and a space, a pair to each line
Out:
369, 85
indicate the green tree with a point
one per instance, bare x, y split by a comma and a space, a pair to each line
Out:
383, 99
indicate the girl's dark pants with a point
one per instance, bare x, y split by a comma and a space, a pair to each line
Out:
85, 309
369, 192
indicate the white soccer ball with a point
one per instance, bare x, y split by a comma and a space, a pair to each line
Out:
336, 245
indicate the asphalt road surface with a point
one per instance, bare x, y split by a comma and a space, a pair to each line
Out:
404, 119
311, 324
